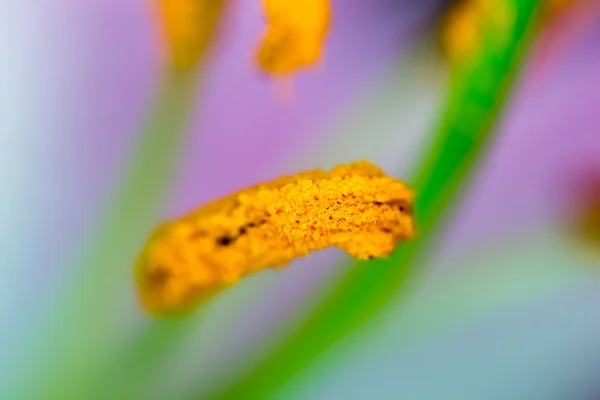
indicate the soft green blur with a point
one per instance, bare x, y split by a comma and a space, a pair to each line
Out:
101, 285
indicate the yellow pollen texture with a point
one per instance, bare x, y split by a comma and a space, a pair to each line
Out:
296, 30
355, 207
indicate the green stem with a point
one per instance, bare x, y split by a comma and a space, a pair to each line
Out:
477, 93
139, 359
95, 294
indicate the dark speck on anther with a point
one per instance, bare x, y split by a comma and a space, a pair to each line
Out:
158, 276
225, 240
406, 208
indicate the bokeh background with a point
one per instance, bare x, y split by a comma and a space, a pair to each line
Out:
508, 306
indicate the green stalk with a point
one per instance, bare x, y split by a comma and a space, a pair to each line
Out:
94, 296
139, 359
478, 90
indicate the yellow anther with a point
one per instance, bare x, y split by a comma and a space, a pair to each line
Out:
356, 207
